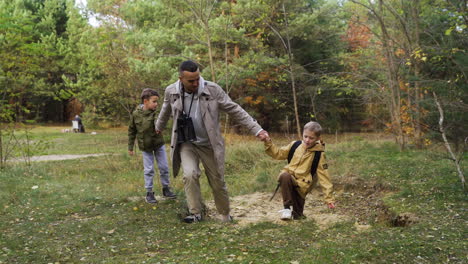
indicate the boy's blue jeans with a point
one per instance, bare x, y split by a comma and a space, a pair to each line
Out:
148, 167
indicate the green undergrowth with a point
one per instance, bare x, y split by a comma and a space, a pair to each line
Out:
91, 210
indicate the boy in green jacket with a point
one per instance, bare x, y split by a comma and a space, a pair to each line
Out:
141, 127
306, 161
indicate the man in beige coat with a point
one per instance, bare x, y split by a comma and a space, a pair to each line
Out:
192, 100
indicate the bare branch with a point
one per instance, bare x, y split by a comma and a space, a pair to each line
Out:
400, 19
446, 143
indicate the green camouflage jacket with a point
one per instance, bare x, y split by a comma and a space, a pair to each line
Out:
141, 128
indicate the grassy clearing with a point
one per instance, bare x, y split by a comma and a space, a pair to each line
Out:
85, 211
108, 141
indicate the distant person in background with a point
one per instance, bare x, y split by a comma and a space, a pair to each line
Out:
306, 164
141, 128
81, 128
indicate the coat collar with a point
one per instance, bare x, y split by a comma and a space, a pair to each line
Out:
177, 88
144, 112
177, 94
319, 146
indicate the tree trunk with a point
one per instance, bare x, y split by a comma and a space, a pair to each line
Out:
210, 52
236, 51
291, 72
392, 78
296, 112
417, 88
394, 103
204, 18
2, 162
312, 103
446, 143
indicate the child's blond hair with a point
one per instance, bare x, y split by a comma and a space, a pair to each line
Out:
314, 127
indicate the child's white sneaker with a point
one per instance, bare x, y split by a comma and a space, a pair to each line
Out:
286, 214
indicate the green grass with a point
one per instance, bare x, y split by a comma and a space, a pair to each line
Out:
83, 212
109, 141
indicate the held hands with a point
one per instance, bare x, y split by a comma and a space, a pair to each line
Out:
263, 136
131, 153
331, 206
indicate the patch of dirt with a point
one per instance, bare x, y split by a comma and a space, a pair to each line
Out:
362, 200
257, 207
357, 201
58, 157
404, 219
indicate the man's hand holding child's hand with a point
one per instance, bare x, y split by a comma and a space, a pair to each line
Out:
263, 135
331, 206
130, 152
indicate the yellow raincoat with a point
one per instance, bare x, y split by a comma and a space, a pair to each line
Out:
300, 167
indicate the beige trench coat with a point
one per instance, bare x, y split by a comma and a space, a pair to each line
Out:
212, 100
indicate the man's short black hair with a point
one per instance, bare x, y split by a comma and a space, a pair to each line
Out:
189, 66
147, 93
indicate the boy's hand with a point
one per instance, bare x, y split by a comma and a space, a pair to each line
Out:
331, 206
130, 152
158, 132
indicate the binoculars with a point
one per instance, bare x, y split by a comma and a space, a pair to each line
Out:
185, 129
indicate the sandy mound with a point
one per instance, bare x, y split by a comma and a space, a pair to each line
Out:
257, 207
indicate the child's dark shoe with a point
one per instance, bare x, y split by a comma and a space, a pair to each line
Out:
150, 198
168, 193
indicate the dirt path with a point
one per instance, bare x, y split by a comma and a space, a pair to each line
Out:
257, 207
358, 201
58, 157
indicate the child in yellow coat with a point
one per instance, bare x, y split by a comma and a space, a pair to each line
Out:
306, 161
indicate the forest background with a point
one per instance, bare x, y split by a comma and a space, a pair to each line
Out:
394, 67
369, 65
